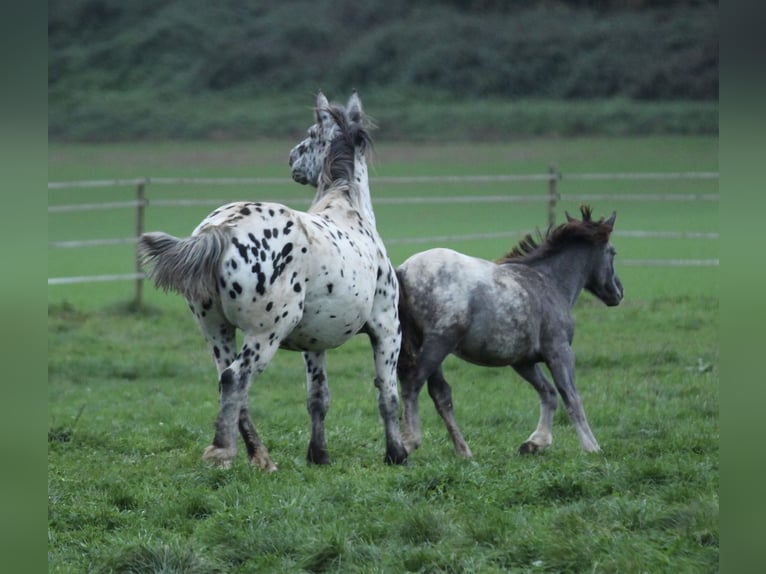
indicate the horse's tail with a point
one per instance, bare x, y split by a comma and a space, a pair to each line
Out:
412, 337
188, 266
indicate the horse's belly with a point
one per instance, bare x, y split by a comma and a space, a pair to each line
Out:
328, 324
496, 349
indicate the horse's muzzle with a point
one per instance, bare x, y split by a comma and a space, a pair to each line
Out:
300, 177
615, 297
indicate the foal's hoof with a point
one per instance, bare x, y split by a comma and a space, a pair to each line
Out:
220, 457
396, 454
411, 446
530, 448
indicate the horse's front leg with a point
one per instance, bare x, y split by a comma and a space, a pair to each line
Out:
562, 365
318, 403
543, 435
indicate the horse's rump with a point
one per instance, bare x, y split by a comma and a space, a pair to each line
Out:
412, 336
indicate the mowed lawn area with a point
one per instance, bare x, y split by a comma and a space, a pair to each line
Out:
133, 393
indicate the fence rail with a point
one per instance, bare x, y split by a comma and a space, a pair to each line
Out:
393, 179
552, 178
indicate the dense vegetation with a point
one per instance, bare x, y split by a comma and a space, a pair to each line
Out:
125, 69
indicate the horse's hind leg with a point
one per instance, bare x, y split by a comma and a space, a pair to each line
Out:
429, 358
256, 353
257, 453
411, 434
385, 337
221, 338
543, 436
318, 403
218, 332
441, 394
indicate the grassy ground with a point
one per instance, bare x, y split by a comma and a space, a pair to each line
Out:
132, 398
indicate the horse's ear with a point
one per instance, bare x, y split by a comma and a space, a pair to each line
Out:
570, 219
322, 101
354, 107
324, 121
610, 222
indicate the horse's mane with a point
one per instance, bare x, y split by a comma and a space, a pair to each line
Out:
338, 169
573, 231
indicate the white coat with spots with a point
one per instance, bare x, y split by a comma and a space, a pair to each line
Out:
304, 281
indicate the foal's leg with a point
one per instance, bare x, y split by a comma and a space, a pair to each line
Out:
543, 436
441, 394
430, 356
562, 363
235, 381
318, 402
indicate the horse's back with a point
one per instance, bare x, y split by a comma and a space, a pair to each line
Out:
298, 275
488, 308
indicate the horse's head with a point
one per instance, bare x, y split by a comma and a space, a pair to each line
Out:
310, 157
603, 281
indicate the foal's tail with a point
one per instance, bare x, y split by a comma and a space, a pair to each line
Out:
412, 337
188, 266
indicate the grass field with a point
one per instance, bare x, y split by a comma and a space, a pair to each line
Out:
132, 395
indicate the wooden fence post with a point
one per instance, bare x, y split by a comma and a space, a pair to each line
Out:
140, 205
552, 194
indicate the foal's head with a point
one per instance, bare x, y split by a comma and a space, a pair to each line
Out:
602, 279
327, 154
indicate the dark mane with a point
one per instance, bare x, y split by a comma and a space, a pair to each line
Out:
556, 238
338, 168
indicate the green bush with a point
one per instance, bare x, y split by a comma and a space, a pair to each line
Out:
144, 59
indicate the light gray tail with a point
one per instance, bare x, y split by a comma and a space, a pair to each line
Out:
188, 266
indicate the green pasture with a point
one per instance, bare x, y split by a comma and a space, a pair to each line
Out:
133, 396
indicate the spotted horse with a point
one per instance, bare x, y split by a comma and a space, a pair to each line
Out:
303, 281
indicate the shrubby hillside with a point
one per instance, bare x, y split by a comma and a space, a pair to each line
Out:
138, 57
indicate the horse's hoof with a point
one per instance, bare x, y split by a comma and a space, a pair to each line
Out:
529, 448
263, 462
464, 453
317, 455
396, 455
411, 445
220, 457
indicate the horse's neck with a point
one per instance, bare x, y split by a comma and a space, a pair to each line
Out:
567, 271
359, 191
363, 187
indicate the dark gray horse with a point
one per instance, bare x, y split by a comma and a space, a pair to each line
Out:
516, 311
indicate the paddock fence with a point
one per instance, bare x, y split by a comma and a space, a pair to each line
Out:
553, 180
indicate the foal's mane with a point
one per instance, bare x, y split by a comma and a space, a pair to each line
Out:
338, 169
556, 238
